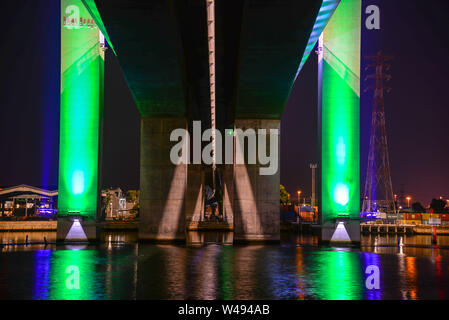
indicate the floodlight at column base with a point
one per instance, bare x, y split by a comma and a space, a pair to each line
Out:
343, 215
343, 231
76, 229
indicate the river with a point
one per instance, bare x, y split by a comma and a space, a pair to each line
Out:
210, 268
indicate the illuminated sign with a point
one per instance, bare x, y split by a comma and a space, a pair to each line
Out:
72, 18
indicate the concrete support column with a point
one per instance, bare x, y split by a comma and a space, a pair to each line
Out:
339, 125
162, 183
81, 112
256, 196
228, 193
194, 194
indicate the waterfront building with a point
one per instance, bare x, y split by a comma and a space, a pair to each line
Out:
28, 201
119, 205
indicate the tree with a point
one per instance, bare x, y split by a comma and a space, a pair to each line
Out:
285, 196
133, 196
418, 208
437, 205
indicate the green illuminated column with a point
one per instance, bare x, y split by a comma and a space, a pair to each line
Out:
340, 122
82, 67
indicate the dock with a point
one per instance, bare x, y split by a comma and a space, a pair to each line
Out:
383, 228
209, 226
387, 228
16, 226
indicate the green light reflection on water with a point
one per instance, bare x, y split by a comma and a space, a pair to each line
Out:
337, 275
72, 275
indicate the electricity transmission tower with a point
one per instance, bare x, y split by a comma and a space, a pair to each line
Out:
378, 186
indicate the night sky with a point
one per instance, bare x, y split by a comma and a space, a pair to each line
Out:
417, 112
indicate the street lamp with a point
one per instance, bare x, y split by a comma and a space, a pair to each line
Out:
299, 210
395, 204
299, 195
313, 166
408, 201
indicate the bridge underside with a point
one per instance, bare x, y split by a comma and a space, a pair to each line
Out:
162, 47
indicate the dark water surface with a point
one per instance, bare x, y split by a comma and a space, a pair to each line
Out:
297, 269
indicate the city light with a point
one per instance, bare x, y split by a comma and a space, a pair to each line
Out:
408, 201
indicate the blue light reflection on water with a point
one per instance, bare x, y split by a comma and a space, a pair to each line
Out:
42, 274
372, 259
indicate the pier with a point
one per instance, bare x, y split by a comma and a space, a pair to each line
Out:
384, 228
